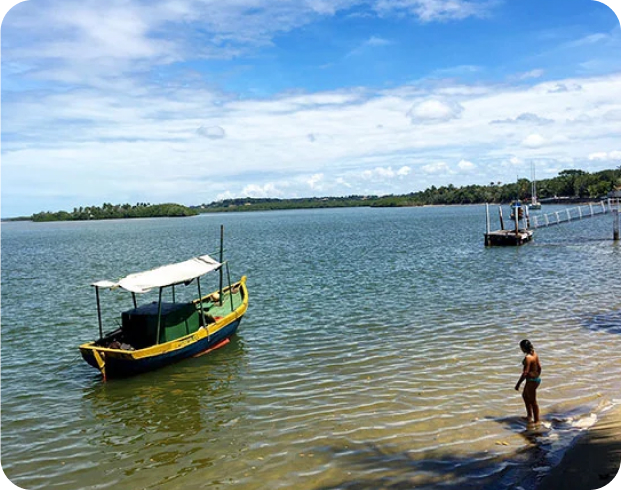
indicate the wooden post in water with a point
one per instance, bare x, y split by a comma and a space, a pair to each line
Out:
591, 208
502, 222
527, 216
517, 220
487, 225
615, 224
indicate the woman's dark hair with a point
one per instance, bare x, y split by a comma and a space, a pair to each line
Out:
526, 346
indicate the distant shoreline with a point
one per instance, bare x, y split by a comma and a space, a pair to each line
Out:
578, 184
288, 207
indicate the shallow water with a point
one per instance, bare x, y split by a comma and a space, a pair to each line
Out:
380, 350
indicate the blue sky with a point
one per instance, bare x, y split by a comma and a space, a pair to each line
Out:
193, 101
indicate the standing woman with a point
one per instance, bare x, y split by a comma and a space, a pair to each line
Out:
531, 373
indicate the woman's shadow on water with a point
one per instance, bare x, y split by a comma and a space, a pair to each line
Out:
383, 467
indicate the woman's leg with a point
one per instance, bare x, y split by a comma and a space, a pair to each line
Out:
527, 403
530, 397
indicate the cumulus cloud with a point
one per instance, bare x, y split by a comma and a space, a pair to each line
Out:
605, 156
436, 168
212, 132
258, 191
533, 141
314, 182
434, 110
466, 165
384, 173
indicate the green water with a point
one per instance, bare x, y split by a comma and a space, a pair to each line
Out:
380, 350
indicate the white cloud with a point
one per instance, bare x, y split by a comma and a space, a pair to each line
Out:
434, 110
536, 73
605, 156
533, 141
378, 41
314, 181
92, 144
258, 191
341, 181
433, 10
435, 168
466, 165
385, 173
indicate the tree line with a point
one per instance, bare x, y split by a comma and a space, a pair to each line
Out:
116, 211
576, 184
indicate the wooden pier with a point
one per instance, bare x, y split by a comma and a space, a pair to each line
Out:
515, 236
525, 224
508, 237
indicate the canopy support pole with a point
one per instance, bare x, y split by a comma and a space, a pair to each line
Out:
134, 299
99, 313
221, 259
228, 273
159, 318
200, 302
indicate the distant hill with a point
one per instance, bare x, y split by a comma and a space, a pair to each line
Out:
571, 184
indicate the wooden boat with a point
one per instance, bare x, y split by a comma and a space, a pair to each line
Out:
156, 334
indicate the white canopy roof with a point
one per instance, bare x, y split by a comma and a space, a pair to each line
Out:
142, 282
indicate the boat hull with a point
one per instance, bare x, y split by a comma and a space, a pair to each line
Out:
119, 365
117, 362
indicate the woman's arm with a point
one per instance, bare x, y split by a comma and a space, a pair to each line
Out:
527, 364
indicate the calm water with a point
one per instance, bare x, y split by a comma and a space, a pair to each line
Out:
380, 350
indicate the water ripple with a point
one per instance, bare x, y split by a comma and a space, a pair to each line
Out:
380, 350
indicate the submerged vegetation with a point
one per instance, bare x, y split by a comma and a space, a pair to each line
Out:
117, 211
576, 184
